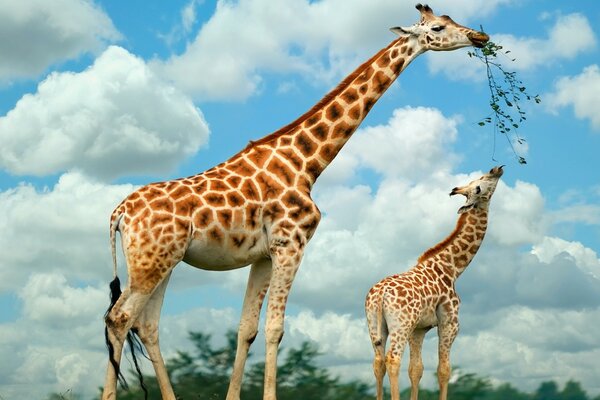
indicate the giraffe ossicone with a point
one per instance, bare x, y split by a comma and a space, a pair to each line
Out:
406, 306
253, 209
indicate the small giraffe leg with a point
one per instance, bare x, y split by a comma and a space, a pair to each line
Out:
379, 369
118, 322
286, 256
415, 367
443, 372
378, 334
393, 359
147, 328
447, 331
258, 283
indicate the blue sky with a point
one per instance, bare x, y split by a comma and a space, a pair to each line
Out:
101, 97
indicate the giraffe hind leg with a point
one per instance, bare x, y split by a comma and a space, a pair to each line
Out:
378, 333
114, 352
146, 327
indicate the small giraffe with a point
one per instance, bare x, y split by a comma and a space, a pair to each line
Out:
406, 306
253, 209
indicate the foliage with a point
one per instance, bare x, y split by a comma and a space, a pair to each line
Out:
505, 90
204, 374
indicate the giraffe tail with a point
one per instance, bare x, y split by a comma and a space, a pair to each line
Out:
114, 226
379, 321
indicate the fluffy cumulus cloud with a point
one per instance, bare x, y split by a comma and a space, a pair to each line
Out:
43, 33
551, 247
115, 118
244, 39
64, 349
570, 36
61, 349
64, 228
582, 92
416, 145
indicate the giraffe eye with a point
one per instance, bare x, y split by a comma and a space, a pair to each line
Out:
437, 28
477, 190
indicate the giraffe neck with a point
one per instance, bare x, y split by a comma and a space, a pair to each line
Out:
456, 251
311, 142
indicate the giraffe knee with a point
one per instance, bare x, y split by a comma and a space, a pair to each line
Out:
443, 372
274, 335
379, 366
415, 371
392, 364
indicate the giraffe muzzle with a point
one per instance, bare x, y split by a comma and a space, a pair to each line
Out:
478, 39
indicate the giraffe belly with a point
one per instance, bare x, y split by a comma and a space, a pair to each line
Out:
208, 255
428, 319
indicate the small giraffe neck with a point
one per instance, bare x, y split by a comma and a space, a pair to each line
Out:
456, 251
318, 135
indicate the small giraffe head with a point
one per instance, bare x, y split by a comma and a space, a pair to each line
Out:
441, 33
480, 191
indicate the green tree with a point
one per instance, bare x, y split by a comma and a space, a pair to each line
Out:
299, 377
204, 374
573, 391
506, 391
547, 391
469, 386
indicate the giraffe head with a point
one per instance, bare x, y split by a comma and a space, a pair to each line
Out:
441, 33
480, 191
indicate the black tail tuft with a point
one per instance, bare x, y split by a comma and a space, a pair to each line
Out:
115, 293
132, 340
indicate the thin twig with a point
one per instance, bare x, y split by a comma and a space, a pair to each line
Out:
507, 92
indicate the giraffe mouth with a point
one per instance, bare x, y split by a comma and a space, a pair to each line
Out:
478, 39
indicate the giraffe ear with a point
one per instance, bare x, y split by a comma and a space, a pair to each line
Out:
401, 31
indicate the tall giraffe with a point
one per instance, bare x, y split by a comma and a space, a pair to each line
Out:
406, 306
253, 209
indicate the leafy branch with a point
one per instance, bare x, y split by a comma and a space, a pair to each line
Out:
505, 90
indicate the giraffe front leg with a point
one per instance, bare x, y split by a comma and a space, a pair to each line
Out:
258, 283
447, 331
415, 366
286, 256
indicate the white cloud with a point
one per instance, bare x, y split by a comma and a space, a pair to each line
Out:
582, 92
38, 33
416, 146
244, 39
526, 347
339, 336
57, 343
569, 36
115, 118
49, 300
586, 259
64, 229
517, 214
